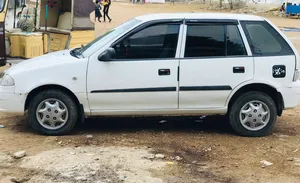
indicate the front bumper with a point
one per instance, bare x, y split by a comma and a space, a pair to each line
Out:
291, 95
10, 102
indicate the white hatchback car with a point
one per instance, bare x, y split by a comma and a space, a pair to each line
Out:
162, 64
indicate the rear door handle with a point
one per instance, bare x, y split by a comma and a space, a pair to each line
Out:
164, 72
238, 69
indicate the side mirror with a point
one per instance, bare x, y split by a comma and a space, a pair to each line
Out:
107, 55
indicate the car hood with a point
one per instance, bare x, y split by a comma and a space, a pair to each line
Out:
47, 60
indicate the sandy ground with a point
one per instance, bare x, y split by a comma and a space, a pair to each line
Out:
123, 149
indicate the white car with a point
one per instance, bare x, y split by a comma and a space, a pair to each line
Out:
162, 64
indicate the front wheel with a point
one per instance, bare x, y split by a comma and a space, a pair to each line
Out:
253, 114
52, 112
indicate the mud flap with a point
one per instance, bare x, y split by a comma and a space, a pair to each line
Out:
81, 118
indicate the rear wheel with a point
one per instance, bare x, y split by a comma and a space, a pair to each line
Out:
253, 114
52, 112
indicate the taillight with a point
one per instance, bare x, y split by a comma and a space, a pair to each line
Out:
296, 75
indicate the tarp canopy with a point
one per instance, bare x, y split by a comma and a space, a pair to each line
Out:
64, 12
83, 8
81, 12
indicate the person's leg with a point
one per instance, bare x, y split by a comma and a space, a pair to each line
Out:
107, 10
104, 12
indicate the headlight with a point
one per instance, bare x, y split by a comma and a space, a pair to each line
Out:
6, 80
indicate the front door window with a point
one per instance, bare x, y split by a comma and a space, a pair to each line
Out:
154, 42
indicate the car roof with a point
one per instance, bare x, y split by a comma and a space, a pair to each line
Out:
166, 16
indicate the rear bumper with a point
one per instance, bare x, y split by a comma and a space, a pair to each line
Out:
10, 102
291, 95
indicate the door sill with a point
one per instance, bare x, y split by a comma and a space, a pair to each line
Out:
160, 112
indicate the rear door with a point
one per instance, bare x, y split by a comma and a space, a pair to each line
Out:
215, 60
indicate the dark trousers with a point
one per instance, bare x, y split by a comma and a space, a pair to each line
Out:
98, 15
105, 11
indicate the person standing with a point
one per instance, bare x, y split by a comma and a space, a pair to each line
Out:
98, 11
106, 5
282, 9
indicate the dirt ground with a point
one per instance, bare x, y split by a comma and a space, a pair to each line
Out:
136, 150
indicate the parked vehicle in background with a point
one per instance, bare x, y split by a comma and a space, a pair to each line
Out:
162, 64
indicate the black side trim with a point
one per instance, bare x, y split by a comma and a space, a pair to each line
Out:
204, 88
161, 89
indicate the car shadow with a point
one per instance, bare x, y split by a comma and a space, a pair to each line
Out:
209, 124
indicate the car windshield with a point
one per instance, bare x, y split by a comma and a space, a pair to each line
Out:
105, 38
2, 4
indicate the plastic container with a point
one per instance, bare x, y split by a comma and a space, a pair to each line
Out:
26, 45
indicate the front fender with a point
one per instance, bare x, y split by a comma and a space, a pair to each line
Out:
69, 75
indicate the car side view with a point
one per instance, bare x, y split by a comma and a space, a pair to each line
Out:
177, 64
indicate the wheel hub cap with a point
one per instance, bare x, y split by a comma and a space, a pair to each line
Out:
254, 115
52, 114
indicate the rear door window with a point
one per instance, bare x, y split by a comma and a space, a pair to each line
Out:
264, 40
209, 40
234, 42
205, 41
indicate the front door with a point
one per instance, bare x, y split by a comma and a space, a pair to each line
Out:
215, 60
143, 76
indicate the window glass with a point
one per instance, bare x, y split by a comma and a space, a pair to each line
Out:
157, 41
101, 41
205, 40
2, 4
235, 45
264, 39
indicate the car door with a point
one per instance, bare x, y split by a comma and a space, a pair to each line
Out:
143, 76
215, 61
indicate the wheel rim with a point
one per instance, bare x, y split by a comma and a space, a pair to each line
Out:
254, 115
52, 114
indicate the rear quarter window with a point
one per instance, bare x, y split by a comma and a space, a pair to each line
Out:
264, 40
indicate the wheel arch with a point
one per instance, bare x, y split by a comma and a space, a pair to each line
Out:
260, 87
38, 89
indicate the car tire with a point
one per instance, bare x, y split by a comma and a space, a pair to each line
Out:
253, 114
53, 105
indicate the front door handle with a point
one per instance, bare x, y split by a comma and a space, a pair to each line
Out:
164, 72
